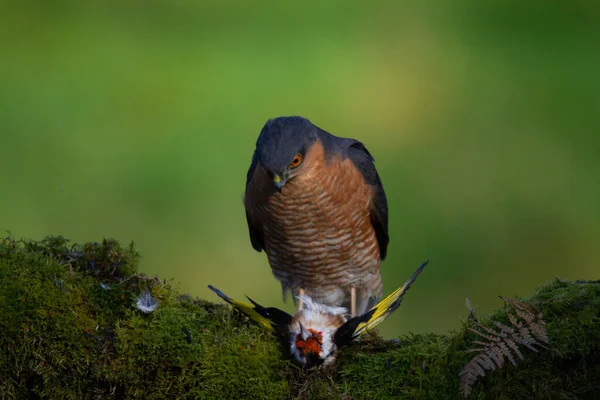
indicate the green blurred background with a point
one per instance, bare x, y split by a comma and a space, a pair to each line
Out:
137, 120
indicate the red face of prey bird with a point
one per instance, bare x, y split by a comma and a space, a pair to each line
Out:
314, 334
314, 202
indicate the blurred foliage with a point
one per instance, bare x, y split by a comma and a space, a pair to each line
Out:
138, 120
68, 331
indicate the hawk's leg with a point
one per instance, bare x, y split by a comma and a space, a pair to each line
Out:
353, 301
301, 298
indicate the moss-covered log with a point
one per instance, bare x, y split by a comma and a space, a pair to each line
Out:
70, 329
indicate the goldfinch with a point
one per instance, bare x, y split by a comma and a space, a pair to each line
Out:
316, 332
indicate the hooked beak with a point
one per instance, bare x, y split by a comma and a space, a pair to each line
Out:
279, 182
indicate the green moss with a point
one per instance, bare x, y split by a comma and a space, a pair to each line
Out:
427, 366
69, 329
65, 336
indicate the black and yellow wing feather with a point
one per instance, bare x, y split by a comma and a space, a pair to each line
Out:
270, 318
357, 326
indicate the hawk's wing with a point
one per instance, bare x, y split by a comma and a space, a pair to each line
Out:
256, 233
365, 163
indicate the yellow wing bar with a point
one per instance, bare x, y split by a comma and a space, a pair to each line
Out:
269, 318
386, 307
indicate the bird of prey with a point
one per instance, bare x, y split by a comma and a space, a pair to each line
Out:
315, 333
315, 203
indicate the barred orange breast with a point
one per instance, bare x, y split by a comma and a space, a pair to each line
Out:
318, 233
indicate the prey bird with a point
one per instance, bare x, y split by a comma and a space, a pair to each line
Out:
316, 205
315, 333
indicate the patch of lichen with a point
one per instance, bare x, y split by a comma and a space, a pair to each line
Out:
69, 329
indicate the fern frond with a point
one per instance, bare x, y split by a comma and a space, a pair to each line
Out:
488, 329
486, 344
502, 341
503, 351
510, 343
521, 309
504, 329
483, 335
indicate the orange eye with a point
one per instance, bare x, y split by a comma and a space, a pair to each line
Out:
296, 161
